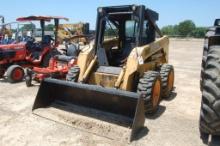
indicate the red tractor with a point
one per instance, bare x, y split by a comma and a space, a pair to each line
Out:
58, 68
28, 53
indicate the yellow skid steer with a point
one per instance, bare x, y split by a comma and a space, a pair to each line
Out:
119, 78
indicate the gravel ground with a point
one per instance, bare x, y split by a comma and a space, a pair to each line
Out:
175, 124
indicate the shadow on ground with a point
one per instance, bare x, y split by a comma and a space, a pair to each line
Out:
142, 133
171, 97
160, 111
4, 80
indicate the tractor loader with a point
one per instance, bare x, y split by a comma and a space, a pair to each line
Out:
122, 75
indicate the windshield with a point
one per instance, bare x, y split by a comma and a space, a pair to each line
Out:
131, 28
111, 31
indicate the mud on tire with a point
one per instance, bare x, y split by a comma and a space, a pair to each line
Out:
146, 87
210, 107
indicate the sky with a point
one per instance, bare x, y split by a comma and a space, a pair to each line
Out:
202, 12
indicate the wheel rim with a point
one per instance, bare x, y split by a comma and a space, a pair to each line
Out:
17, 74
156, 93
170, 81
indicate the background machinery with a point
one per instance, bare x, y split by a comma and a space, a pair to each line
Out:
210, 85
15, 32
125, 71
28, 53
67, 33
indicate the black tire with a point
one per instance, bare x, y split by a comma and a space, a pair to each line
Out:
11, 71
204, 58
165, 72
210, 107
73, 74
28, 80
146, 86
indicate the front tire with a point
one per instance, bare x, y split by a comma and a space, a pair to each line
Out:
150, 87
73, 74
15, 73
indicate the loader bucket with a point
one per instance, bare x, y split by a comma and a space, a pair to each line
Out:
63, 95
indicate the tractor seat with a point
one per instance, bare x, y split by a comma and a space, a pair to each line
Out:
71, 53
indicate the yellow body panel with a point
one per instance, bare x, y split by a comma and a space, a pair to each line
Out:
140, 60
102, 79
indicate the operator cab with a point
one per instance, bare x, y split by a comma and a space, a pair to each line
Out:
121, 29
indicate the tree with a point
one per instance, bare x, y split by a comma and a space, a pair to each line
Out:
168, 30
171, 30
199, 32
186, 28
49, 27
28, 27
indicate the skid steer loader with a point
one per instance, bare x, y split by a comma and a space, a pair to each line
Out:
123, 75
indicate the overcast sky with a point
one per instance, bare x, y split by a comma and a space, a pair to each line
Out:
202, 12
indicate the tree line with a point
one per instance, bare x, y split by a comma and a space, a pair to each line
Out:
49, 27
185, 28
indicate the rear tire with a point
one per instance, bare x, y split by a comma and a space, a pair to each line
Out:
204, 58
73, 74
15, 73
167, 77
150, 87
210, 107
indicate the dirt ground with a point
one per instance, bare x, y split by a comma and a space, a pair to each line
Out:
175, 124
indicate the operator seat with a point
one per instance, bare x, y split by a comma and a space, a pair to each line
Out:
120, 59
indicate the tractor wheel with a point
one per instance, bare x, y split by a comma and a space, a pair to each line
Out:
204, 58
167, 77
210, 107
15, 73
150, 86
28, 81
73, 74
